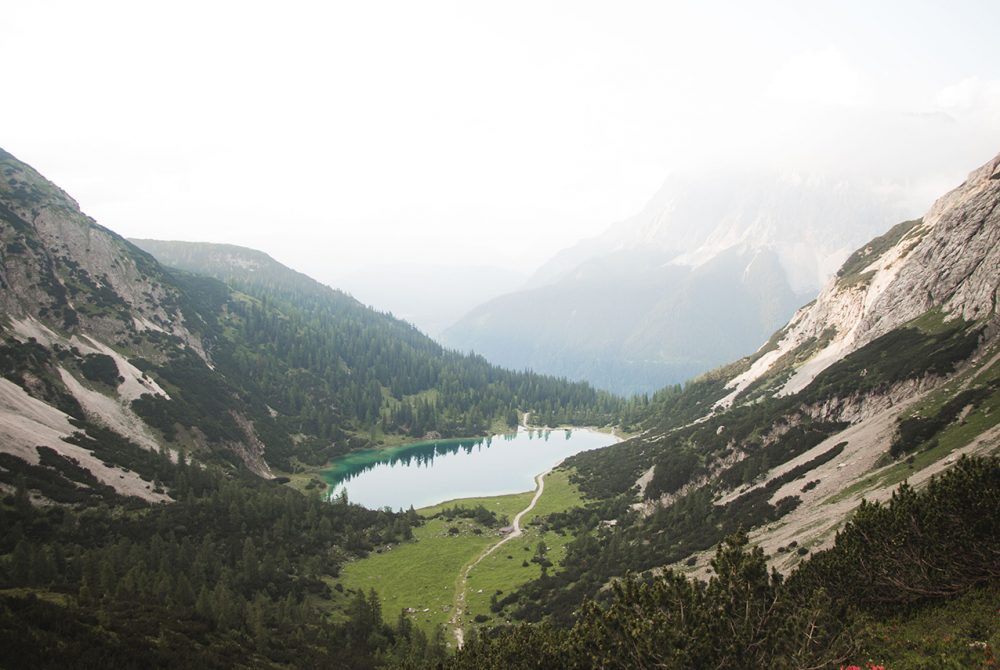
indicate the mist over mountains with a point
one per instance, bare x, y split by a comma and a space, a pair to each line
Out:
430, 296
703, 274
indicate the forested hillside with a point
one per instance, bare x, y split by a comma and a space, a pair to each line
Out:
237, 572
272, 371
325, 362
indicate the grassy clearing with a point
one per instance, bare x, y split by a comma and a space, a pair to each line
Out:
504, 570
960, 633
60, 599
622, 435
308, 481
421, 574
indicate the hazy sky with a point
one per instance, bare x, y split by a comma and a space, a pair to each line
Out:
336, 135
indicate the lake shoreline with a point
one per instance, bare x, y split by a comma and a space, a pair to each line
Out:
430, 473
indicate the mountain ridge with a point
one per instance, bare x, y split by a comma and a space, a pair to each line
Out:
868, 301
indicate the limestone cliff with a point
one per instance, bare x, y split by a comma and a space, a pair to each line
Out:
76, 298
947, 261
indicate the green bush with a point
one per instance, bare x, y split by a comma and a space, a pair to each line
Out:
100, 368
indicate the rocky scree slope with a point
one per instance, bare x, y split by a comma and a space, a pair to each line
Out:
86, 317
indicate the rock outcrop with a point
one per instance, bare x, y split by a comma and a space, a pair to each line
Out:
59, 264
948, 261
79, 291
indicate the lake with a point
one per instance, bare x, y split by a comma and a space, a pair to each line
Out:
428, 473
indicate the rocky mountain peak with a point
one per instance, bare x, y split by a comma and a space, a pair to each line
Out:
62, 269
949, 261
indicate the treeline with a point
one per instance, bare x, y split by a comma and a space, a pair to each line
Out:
478, 513
920, 548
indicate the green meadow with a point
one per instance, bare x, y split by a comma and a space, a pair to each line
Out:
421, 576
504, 570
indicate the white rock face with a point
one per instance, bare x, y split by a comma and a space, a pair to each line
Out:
957, 263
71, 251
951, 260
26, 423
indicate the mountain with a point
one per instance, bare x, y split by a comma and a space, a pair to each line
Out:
248, 364
891, 374
710, 267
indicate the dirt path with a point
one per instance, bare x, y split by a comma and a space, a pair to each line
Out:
461, 585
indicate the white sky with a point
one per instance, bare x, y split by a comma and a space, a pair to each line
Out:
337, 135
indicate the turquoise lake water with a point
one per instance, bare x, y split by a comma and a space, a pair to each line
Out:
428, 473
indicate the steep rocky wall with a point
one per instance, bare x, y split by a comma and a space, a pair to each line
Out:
60, 267
950, 261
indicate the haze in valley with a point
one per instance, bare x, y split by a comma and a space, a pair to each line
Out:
350, 139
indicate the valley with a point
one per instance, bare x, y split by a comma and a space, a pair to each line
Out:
209, 456
500, 336
457, 576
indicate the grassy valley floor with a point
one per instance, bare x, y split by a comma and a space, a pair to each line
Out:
422, 576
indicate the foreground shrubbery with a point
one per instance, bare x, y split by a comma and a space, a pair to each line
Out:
234, 575
918, 550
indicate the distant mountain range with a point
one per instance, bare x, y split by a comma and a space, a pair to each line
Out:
710, 267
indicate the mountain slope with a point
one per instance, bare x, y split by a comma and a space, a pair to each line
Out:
947, 261
110, 358
74, 296
893, 373
708, 269
333, 343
